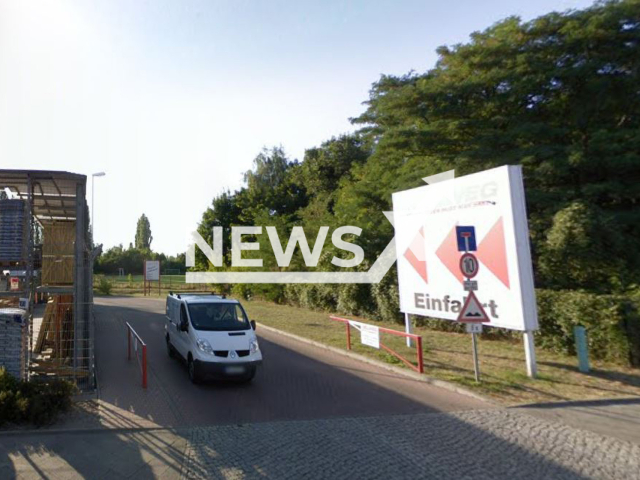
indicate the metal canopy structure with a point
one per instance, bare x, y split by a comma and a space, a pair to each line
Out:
53, 193
52, 197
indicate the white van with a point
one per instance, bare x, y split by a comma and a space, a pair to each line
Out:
213, 335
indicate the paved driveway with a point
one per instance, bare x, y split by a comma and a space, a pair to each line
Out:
296, 381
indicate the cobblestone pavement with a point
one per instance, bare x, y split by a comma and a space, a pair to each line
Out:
477, 444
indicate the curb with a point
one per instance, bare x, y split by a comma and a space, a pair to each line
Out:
400, 371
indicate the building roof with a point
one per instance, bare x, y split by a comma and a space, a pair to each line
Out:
54, 192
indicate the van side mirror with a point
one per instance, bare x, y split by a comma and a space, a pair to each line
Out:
253, 324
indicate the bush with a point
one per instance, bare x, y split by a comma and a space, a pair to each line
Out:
386, 298
37, 403
355, 299
105, 286
612, 324
241, 290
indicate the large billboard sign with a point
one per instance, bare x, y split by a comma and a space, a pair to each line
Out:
430, 278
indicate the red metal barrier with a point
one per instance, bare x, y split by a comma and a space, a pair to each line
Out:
143, 362
417, 338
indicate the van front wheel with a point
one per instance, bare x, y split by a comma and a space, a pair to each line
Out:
193, 373
249, 376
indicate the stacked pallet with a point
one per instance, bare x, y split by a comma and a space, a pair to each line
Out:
56, 330
13, 341
58, 253
13, 230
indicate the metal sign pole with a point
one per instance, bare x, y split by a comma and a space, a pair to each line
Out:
530, 354
408, 328
469, 267
476, 365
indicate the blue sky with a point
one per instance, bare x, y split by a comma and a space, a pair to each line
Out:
174, 99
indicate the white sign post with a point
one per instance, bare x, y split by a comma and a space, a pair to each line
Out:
152, 270
151, 274
369, 334
430, 272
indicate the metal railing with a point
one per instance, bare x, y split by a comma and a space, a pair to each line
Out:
142, 362
418, 341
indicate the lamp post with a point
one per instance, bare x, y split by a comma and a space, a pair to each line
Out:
93, 176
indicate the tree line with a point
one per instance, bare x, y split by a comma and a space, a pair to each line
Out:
132, 259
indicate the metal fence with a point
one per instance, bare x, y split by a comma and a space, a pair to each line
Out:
61, 343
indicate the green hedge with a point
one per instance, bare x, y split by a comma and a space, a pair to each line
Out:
38, 403
612, 323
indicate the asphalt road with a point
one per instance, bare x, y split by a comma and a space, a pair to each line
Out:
296, 381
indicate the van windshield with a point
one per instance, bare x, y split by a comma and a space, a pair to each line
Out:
218, 316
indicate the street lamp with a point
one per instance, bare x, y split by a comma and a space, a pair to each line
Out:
93, 176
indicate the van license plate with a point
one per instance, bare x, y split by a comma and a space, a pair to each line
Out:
234, 370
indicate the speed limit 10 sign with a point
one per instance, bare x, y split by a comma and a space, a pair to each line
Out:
469, 265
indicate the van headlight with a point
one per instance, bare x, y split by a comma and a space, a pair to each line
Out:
254, 346
204, 346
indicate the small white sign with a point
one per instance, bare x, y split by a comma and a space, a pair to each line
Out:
24, 303
474, 327
370, 335
470, 285
152, 270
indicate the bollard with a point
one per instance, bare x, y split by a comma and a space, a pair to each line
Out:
582, 348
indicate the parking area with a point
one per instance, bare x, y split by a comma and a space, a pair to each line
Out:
296, 381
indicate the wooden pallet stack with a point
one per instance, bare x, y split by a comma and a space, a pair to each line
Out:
56, 330
58, 253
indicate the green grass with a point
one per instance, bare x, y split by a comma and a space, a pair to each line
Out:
122, 285
117, 279
447, 356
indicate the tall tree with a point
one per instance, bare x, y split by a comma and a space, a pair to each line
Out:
271, 190
557, 95
224, 212
143, 233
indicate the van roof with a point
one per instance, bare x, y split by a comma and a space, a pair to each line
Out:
202, 297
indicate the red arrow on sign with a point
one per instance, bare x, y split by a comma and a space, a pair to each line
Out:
492, 252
